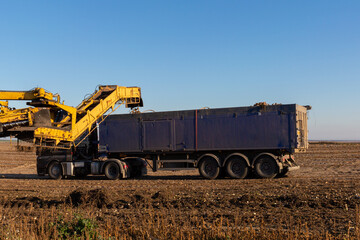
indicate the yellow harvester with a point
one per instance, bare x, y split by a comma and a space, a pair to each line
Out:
49, 123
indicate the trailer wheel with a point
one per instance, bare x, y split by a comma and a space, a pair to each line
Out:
236, 167
266, 167
209, 168
112, 171
55, 170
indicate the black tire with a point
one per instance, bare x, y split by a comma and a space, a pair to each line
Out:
209, 168
137, 167
266, 167
135, 172
55, 170
237, 167
112, 171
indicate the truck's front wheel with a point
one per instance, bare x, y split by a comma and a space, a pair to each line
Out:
55, 170
209, 168
112, 171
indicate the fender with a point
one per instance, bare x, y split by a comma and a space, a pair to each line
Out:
237, 154
208, 155
280, 166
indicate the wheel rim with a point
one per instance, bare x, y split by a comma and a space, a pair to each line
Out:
266, 167
113, 170
55, 170
237, 168
210, 168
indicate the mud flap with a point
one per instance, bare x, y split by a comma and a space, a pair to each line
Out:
124, 169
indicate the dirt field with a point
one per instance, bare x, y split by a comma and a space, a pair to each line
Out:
321, 199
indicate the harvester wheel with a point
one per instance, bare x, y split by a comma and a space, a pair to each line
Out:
55, 170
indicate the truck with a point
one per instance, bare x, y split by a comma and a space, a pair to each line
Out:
236, 142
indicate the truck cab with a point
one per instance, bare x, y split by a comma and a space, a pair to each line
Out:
86, 159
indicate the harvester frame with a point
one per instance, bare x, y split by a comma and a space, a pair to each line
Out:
52, 124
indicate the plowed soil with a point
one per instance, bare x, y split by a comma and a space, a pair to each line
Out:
324, 194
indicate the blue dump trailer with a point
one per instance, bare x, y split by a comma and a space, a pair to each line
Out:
236, 142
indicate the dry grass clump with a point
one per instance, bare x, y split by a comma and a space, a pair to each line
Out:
97, 214
67, 222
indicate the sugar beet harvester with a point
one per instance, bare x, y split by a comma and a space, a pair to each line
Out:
57, 130
50, 123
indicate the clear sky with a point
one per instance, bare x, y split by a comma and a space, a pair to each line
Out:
192, 54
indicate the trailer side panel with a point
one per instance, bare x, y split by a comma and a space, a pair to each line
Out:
244, 128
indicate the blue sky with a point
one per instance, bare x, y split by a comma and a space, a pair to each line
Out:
192, 54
